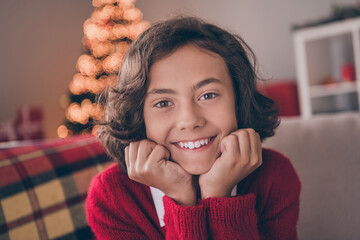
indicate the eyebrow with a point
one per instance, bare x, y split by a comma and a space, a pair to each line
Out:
195, 87
205, 82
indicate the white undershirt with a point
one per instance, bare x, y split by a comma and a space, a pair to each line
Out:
158, 195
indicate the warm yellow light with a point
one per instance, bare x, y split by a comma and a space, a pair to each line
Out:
111, 80
95, 130
97, 112
97, 86
103, 35
79, 84
86, 106
86, 65
100, 49
74, 113
122, 47
62, 131
134, 30
133, 15
112, 63
91, 30
103, 15
119, 31
126, 3
117, 13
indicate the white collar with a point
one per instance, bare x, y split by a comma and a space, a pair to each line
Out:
158, 195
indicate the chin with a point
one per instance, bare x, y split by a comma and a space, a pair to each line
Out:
197, 169
196, 163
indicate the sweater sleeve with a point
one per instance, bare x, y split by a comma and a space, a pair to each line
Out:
281, 212
102, 214
184, 222
241, 217
232, 218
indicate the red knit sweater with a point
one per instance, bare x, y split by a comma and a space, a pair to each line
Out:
266, 207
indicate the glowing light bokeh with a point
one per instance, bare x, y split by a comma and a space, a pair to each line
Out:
107, 36
62, 131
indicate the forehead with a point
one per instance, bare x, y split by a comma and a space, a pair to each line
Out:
188, 62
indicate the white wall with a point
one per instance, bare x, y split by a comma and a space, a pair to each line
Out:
40, 41
265, 25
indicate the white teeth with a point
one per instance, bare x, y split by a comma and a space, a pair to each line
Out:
196, 144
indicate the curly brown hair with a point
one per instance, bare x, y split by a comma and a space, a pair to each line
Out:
123, 103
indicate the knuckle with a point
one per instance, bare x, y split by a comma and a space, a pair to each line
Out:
231, 137
245, 133
158, 147
251, 131
143, 143
247, 161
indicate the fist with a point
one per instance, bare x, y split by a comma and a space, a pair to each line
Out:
149, 164
240, 155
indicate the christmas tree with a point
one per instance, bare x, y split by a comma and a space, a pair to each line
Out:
109, 31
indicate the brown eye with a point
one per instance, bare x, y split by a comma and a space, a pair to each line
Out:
163, 104
208, 96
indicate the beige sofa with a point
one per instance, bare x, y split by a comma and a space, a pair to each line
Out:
325, 151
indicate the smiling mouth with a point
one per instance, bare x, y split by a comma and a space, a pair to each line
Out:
195, 144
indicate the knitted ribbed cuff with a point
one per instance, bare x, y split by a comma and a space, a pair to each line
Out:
188, 221
237, 213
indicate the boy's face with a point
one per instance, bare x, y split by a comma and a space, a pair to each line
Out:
190, 106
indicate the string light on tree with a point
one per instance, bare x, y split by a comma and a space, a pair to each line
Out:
109, 31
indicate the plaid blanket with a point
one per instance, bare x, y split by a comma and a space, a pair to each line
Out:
43, 186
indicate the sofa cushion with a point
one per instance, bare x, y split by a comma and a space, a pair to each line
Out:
43, 186
325, 151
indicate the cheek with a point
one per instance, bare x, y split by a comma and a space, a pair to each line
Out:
156, 128
226, 118
229, 123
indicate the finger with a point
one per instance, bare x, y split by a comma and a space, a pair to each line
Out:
159, 153
144, 151
244, 143
255, 143
133, 150
230, 146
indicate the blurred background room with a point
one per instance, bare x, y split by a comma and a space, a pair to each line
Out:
56, 56
41, 43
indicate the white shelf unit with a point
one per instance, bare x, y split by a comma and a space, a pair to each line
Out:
320, 52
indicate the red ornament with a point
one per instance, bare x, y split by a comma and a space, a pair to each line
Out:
348, 72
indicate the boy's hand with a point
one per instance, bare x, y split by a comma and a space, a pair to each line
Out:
148, 163
240, 155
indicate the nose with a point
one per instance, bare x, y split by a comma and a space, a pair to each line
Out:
190, 118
